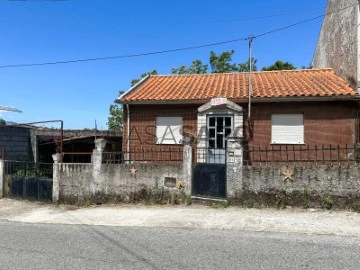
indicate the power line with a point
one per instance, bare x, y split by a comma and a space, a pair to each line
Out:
123, 56
288, 26
302, 22
172, 50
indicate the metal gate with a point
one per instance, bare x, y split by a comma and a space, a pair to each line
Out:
209, 174
27, 180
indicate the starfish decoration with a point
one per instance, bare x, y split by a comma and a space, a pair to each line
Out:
133, 171
179, 184
288, 175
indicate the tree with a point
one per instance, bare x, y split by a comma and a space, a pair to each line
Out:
279, 65
244, 67
2, 122
222, 63
310, 66
115, 118
135, 81
196, 67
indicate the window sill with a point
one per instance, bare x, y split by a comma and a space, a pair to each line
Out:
287, 143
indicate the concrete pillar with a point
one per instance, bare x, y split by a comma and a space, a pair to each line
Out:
187, 166
97, 163
234, 158
34, 144
2, 176
56, 177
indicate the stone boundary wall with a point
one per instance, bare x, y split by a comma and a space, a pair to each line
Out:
324, 186
116, 183
308, 186
101, 183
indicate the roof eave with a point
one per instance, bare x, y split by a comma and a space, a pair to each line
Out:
242, 100
160, 102
120, 99
305, 98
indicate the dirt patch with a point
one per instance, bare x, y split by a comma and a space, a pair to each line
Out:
289, 220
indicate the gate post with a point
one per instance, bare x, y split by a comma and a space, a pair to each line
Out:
2, 174
56, 178
234, 164
97, 163
187, 165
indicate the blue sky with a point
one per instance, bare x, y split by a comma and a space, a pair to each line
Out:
40, 31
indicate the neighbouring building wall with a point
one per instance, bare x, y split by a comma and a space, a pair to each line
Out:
16, 143
338, 42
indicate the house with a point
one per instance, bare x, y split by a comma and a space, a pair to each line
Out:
297, 108
338, 44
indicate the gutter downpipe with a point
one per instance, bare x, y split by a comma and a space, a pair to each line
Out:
120, 100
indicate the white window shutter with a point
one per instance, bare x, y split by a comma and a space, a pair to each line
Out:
168, 130
287, 129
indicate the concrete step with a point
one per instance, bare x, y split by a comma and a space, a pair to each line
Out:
208, 201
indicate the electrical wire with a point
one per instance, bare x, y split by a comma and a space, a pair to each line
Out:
123, 56
173, 50
302, 22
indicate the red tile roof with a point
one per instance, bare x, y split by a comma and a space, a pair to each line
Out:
265, 84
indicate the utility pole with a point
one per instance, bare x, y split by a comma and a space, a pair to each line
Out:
250, 38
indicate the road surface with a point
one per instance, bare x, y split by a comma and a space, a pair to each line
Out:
60, 246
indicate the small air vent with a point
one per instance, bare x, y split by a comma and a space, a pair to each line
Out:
169, 181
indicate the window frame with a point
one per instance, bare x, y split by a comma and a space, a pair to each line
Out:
278, 130
163, 139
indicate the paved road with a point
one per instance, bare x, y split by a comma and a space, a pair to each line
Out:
58, 246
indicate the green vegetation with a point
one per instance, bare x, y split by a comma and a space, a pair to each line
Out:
281, 201
306, 197
188, 200
328, 202
115, 119
223, 204
279, 65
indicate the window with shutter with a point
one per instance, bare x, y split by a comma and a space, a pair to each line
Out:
287, 129
168, 130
